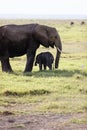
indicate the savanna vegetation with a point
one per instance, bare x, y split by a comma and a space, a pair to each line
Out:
62, 90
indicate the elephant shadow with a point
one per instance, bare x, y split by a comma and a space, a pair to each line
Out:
56, 73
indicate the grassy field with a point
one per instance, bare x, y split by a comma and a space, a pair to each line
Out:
63, 90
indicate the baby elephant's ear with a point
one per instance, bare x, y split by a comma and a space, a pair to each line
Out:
52, 59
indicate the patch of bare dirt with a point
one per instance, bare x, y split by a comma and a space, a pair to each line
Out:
41, 122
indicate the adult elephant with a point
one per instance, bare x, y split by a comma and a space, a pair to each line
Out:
17, 40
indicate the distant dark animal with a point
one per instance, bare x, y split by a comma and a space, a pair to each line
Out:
72, 23
82, 23
17, 40
44, 59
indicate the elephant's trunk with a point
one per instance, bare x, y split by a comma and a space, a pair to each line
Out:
59, 51
57, 59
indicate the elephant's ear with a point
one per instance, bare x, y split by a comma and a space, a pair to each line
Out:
40, 35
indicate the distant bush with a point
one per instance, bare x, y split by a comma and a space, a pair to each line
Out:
13, 93
82, 23
31, 92
71, 23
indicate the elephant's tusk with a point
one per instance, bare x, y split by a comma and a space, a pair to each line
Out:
59, 50
62, 51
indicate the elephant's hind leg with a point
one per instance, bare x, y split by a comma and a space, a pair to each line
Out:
50, 66
6, 67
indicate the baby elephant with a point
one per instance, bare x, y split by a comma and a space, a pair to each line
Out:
45, 59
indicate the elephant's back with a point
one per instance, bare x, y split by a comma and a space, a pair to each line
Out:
18, 28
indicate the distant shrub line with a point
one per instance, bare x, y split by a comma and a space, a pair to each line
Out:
31, 92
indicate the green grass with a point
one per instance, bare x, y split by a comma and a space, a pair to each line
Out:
79, 121
63, 90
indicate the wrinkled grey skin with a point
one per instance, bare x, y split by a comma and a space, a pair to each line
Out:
17, 40
44, 59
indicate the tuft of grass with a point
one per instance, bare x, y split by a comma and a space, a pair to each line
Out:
6, 113
39, 92
79, 121
85, 107
10, 93
83, 90
31, 92
18, 126
53, 106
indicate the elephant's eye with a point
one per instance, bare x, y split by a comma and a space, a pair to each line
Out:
52, 37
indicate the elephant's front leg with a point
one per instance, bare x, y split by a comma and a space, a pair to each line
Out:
30, 60
6, 67
40, 66
44, 67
